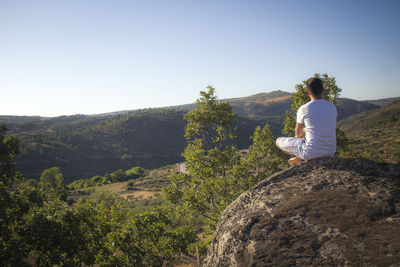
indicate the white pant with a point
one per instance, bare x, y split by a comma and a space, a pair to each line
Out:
298, 147
292, 145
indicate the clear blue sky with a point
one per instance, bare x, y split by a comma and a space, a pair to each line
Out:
62, 57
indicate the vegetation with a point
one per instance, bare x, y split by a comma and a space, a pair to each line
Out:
14, 203
85, 146
116, 176
52, 182
215, 173
375, 134
209, 159
35, 225
156, 179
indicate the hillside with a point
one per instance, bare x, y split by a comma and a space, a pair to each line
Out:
376, 133
347, 107
265, 104
86, 145
91, 145
383, 102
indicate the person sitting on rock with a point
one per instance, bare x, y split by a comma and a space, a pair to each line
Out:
317, 120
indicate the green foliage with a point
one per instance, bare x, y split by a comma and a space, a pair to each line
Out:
9, 147
208, 186
30, 182
342, 143
16, 199
264, 157
152, 238
14, 205
200, 247
107, 198
78, 184
98, 231
52, 181
300, 97
211, 121
134, 173
58, 234
54, 235
215, 173
93, 181
116, 176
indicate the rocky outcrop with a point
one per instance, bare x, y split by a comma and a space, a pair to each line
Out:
327, 211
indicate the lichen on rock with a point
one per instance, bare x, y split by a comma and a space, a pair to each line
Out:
327, 211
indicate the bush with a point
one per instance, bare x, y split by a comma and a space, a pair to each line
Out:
118, 176
135, 172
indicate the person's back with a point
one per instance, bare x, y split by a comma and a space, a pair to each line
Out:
319, 119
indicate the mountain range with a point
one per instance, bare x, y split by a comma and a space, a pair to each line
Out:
87, 145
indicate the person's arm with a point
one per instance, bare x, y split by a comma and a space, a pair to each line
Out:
299, 130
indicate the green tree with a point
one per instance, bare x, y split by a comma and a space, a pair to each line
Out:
54, 235
77, 184
151, 238
9, 147
52, 181
300, 97
107, 198
134, 173
16, 199
118, 176
14, 246
99, 218
264, 157
209, 185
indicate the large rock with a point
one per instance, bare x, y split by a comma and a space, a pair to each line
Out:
326, 211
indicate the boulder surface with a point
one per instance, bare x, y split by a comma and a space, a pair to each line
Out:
327, 211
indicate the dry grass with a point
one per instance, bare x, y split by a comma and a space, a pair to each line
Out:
129, 194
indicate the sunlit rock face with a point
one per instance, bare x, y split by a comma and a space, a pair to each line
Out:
324, 212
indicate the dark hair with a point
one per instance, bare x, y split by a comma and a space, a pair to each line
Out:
314, 85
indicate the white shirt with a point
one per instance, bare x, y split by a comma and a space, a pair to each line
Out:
319, 119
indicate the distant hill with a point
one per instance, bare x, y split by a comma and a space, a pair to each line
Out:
376, 133
347, 107
87, 145
261, 105
275, 103
383, 102
270, 104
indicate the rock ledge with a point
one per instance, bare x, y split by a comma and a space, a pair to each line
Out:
327, 211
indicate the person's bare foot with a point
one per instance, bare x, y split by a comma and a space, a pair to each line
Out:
294, 161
